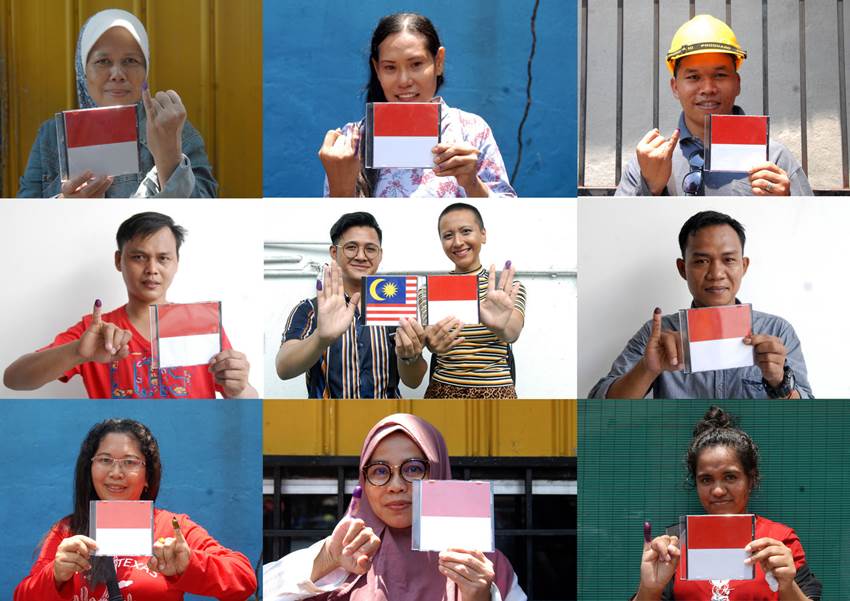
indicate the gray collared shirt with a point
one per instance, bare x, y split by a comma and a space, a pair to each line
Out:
717, 183
737, 383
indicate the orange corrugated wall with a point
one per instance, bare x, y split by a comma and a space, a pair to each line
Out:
480, 428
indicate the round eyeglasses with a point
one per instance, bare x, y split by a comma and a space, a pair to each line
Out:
126, 464
692, 183
379, 473
352, 249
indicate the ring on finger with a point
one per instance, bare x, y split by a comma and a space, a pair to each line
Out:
769, 187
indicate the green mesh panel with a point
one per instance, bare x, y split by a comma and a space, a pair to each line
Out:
631, 468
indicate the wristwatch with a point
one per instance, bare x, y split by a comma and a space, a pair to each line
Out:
786, 386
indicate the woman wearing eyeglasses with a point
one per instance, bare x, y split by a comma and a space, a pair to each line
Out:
119, 461
368, 556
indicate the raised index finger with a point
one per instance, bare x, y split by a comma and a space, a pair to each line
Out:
178, 532
655, 334
95, 314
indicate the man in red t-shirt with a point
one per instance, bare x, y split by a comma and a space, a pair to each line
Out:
112, 351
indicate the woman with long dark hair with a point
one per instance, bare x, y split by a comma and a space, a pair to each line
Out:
723, 466
119, 461
406, 64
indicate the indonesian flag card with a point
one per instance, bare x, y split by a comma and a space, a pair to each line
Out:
452, 295
401, 134
452, 513
388, 298
103, 140
713, 337
715, 547
122, 528
183, 335
736, 142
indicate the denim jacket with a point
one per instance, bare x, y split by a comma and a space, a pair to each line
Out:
191, 179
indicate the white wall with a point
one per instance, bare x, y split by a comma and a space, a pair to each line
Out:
536, 235
798, 250
57, 257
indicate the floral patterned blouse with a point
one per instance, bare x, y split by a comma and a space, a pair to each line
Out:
458, 126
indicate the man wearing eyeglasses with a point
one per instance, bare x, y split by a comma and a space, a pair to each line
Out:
704, 59
326, 336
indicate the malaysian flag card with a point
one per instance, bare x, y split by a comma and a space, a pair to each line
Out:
400, 135
122, 528
715, 545
385, 299
713, 337
452, 295
452, 514
103, 140
185, 334
736, 142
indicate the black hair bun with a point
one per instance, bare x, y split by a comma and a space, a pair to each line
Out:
713, 419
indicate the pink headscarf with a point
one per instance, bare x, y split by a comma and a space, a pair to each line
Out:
397, 572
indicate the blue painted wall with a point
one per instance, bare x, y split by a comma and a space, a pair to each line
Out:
211, 469
315, 67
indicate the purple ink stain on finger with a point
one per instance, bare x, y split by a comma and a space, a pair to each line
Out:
647, 532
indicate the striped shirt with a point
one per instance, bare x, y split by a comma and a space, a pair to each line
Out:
482, 358
359, 364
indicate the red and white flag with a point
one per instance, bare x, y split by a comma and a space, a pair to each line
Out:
402, 134
715, 547
185, 334
452, 513
122, 528
452, 295
713, 337
102, 140
737, 142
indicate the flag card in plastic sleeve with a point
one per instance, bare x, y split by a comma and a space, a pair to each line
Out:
714, 547
400, 135
713, 337
103, 140
122, 528
736, 142
183, 335
385, 299
452, 513
452, 295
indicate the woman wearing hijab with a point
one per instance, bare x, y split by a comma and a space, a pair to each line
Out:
722, 463
369, 557
112, 61
474, 360
406, 64
119, 461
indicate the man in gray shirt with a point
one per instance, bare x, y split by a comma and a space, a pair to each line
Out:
713, 264
704, 59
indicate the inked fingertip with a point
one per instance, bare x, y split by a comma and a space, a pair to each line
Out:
657, 311
98, 303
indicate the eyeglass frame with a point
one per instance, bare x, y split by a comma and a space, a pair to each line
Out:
119, 462
698, 170
396, 468
357, 251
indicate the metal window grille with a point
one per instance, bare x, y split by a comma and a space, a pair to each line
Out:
535, 506
803, 93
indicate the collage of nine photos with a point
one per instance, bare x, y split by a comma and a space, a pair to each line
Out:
414, 301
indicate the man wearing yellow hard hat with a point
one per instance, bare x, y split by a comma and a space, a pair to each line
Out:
704, 59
